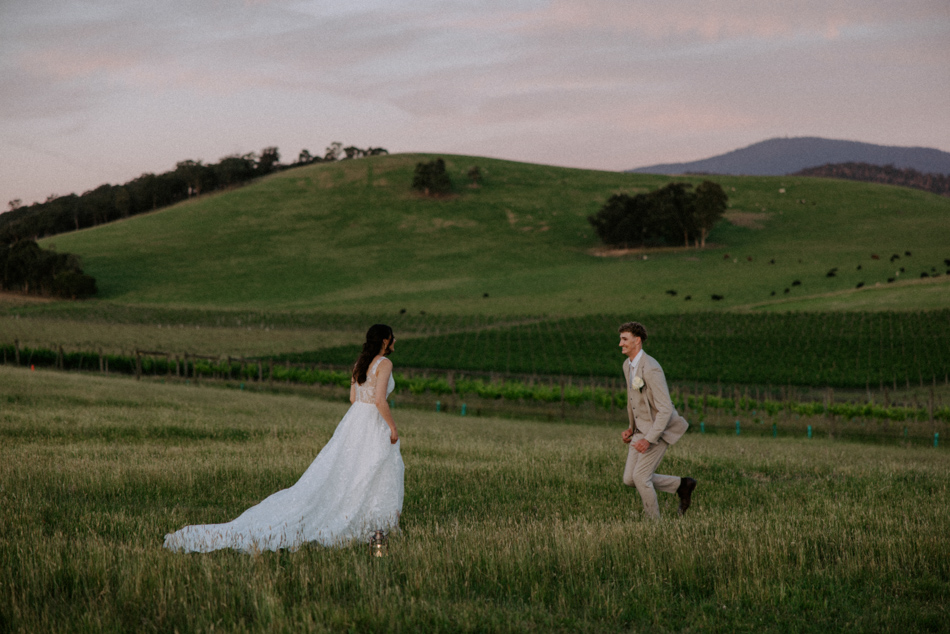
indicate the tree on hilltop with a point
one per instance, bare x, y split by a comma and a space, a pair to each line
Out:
334, 151
233, 170
672, 214
475, 175
711, 203
270, 159
196, 174
432, 179
675, 207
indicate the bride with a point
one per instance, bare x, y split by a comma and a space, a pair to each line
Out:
353, 487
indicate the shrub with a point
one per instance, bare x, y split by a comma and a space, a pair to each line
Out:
431, 178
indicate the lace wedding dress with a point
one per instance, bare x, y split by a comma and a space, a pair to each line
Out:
352, 488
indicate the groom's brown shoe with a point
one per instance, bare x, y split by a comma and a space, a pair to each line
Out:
685, 491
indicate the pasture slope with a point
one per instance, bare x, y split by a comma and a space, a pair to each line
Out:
351, 237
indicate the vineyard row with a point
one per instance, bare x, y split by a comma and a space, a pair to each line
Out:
196, 367
840, 350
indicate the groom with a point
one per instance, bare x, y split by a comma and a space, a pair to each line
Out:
654, 424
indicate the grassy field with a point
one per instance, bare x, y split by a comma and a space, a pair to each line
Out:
126, 338
351, 237
507, 526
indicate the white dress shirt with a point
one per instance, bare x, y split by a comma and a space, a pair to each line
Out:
634, 362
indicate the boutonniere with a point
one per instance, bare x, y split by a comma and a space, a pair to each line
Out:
638, 383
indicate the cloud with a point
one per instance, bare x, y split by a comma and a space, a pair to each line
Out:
186, 77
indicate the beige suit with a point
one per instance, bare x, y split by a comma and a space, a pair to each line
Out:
652, 416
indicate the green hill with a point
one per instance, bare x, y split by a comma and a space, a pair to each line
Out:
351, 237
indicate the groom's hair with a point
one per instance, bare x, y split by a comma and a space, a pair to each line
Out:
635, 328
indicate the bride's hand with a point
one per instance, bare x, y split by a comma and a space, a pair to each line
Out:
393, 436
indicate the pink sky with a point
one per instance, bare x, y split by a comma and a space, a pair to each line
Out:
101, 91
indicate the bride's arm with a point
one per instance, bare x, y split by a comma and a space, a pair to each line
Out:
352, 391
383, 372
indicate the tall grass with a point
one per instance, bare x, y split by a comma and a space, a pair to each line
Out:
507, 526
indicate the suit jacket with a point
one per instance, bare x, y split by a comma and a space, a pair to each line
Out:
650, 409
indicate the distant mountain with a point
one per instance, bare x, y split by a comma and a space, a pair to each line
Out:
777, 157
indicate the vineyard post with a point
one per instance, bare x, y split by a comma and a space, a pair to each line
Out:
933, 423
185, 368
16, 350
562, 398
270, 370
830, 413
593, 398
59, 358
168, 364
101, 366
450, 378
138, 365
229, 367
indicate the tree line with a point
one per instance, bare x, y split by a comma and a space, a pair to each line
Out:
107, 203
676, 214
886, 174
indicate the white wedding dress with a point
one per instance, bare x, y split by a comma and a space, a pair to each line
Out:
353, 488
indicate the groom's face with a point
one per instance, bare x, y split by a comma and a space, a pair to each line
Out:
629, 344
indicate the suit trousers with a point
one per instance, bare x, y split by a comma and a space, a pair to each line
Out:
640, 472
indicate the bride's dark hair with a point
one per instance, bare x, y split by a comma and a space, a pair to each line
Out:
375, 336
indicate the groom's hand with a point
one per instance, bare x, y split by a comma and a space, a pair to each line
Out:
641, 445
626, 435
